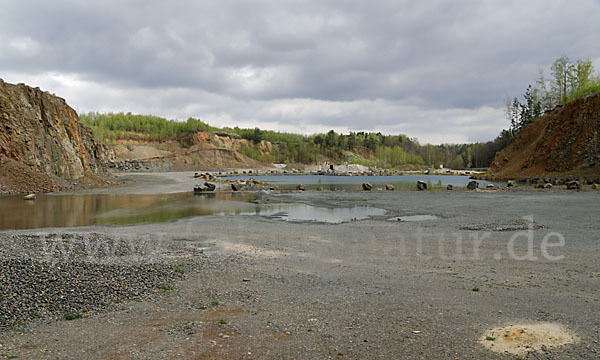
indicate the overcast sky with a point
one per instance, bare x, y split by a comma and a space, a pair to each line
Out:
435, 70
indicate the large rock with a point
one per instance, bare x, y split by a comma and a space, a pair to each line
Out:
366, 186
301, 187
389, 187
449, 187
472, 185
209, 186
511, 183
236, 187
421, 185
573, 185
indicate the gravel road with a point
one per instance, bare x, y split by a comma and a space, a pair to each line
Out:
250, 287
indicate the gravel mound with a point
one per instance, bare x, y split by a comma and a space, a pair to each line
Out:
513, 225
34, 285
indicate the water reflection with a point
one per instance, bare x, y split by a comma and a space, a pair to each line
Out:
90, 209
302, 212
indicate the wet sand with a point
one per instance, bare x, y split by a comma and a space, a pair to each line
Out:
270, 289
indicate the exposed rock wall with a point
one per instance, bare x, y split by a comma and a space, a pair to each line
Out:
41, 131
564, 141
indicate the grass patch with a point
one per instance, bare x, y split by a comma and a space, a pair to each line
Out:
222, 322
490, 338
72, 316
168, 288
214, 303
475, 289
179, 268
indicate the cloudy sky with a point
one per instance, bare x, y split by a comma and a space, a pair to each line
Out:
435, 70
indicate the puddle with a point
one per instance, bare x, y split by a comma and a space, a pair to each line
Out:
302, 212
412, 218
124, 209
102, 209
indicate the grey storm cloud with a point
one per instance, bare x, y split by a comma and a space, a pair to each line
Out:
437, 70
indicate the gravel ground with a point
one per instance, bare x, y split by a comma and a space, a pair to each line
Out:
53, 277
269, 289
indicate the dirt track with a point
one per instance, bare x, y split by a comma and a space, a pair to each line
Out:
265, 288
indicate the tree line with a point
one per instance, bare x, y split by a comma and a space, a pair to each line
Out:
570, 81
367, 148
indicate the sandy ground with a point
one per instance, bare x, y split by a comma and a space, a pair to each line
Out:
269, 289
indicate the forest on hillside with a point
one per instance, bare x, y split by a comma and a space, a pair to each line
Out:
366, 148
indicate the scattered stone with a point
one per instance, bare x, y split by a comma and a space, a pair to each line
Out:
472, 185
29, 197
209, 186
366, 186
301, 187
421, 185
390, 187
548, 186
449, 187
573, 185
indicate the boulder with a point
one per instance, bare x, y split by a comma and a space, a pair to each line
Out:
595, 186
421, 185
449, 187
209, 186
573, 185
29, 197
196, 175
301, 187
472, 185
236, 187
198, 188
366, 186
390, 187
490, 186
511, 183
547, 186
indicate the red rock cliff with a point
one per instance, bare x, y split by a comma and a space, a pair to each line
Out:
40, 130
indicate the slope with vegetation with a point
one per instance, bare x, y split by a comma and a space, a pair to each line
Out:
556, 129
372, 149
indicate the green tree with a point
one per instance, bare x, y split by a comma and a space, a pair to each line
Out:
458, 163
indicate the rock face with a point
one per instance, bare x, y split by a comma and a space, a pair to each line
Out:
564, 141
42, 132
